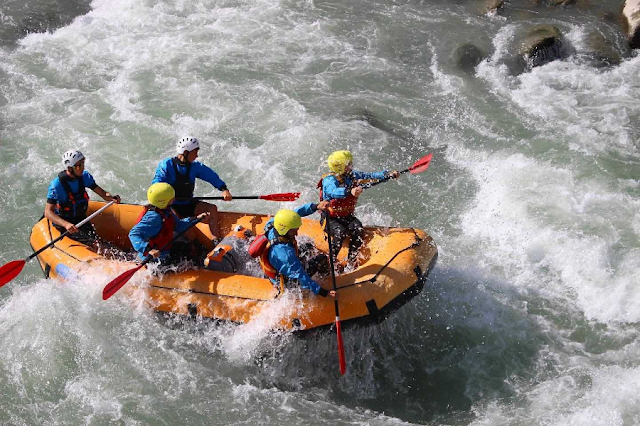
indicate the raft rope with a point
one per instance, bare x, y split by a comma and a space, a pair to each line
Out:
416, 243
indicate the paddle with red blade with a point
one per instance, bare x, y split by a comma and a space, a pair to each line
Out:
117, 283
11, 270
341, 357
287, 196
418, 167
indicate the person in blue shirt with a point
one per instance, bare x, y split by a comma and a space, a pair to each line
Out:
156, 226
341, 189
281, 260
67, 199
181, 172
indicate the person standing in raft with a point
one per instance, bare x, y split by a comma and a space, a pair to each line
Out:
181, 172
340, 188
67, 199
156, 225
278, 251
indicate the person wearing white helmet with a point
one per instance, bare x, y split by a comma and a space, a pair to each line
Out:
181, 172
67, 198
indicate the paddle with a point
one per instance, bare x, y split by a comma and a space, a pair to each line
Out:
287, 196
11, 270
117, 283
417, 167
341, 358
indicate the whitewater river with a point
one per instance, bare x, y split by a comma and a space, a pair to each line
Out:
532, 313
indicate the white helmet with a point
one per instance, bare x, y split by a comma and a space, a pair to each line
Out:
72, 157
188, 143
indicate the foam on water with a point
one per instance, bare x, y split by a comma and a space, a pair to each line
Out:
533, 198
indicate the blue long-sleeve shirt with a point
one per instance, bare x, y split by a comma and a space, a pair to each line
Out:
284, 259
166, 173
150, 226
56, 193
332, 189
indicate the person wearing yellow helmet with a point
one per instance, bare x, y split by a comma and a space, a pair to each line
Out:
341, 189
156, 226
181, 172
280, 258
67, 199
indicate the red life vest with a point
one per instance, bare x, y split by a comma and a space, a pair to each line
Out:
166, 232
261, 246
339, 207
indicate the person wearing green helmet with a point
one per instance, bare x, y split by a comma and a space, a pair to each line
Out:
280, 257
341, 189
156, 226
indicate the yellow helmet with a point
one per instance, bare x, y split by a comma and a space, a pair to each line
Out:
286, 220
160, 194
339, 160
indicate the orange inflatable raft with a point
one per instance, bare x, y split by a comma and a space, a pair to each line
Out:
393, 267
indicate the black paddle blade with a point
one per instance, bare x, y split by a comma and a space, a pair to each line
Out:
10, 271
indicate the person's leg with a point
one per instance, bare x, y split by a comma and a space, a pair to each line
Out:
338, 234
214, 227
355, 230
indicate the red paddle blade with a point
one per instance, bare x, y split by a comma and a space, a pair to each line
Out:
10, 271
341, 358
116, 284
420, 165
287, 196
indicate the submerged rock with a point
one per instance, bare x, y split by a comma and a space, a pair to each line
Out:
601, 51
467, 57
542, 45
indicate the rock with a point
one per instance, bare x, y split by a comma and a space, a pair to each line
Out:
542, 45
492, 6
631, 19
601, 50
467, 57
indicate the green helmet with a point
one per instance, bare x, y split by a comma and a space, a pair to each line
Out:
285, 220
160, 194
339, 160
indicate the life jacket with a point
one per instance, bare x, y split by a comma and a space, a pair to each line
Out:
166, 232
183, 185
262, 249
339, 207
75, 208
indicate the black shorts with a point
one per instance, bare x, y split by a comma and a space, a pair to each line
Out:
185, 210
86, 234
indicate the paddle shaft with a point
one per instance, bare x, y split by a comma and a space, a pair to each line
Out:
117, 283
369, 185
341, 357
65, 233
247, 197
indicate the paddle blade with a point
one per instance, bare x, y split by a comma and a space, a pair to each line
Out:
420, 165
287, 196
10, 271
116, 284
341, 358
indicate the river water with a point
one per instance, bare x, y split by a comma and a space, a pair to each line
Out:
532, 314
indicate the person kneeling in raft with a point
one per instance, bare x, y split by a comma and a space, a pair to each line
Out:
278, 250
181, 172
340, 188
156, 226
67, 200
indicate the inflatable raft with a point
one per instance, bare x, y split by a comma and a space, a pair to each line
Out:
393, 267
